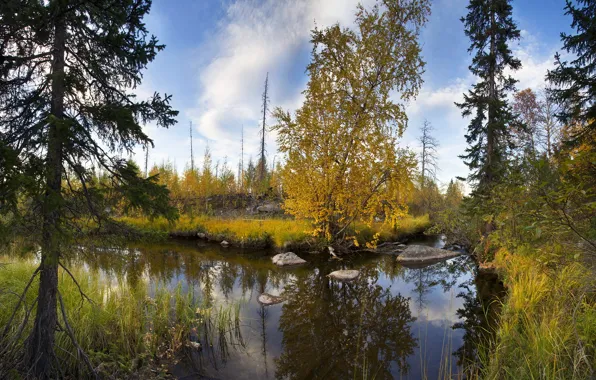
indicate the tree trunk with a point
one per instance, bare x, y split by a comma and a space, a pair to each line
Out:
490, 133
40, 349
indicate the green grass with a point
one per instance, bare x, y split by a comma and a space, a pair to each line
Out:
125, 330
547, 328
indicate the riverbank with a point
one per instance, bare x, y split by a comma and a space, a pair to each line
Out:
277, 233
126, 330
547, 327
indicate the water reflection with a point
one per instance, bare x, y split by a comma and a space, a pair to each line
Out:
393, 322
340, 331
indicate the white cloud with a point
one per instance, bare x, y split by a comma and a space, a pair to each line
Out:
253, 39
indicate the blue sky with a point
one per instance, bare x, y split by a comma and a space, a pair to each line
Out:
218, 53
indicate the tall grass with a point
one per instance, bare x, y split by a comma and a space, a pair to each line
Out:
406, 226
277, 232
548, 323
124, 330
236, 230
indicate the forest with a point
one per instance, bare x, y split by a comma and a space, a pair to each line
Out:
340, 253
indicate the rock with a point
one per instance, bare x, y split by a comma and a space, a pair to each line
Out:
202, 235
401, 246
225, 244
268, 208
421, 254
269, 299
332, 251
344, 275
195, 345
288, 258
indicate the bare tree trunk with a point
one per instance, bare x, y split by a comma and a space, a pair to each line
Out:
262, 166
40, 349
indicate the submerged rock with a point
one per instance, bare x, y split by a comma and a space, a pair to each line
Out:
421, 254
344, 275
269, 299
288, 258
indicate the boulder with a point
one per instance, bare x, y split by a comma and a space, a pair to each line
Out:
269, 208
344, 275
225, 244
269, 299
202, 235
288, 258
421, 254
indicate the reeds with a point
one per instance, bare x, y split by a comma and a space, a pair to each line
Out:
547, 328
124, 330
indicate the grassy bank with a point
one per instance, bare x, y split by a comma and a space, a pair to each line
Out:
275, 233
125, 330
547, 328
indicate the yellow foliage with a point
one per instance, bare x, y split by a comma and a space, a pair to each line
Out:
342, 162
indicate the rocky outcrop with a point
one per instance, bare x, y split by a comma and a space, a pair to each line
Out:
288, 258
269, 299
421, 254
344, 275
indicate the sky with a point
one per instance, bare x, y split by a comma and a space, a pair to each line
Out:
218, 53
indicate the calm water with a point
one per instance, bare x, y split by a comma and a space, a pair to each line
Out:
393, 322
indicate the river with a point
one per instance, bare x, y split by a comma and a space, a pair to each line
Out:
392, 322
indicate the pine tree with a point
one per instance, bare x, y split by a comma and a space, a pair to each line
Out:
490, 27
574, 83
66, 74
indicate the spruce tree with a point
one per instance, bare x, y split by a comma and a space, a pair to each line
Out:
490, 27
67, 74
574, 83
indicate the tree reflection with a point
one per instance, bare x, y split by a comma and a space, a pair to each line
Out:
334, 330
445, 274
478, 317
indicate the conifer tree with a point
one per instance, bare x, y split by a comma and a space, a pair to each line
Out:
490, 27
67, 70
574, 83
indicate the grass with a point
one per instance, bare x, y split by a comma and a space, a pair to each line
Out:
407, 226
547, 328
271, 232
125, 330
238, 231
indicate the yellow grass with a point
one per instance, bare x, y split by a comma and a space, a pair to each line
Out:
548, 323
277, 231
